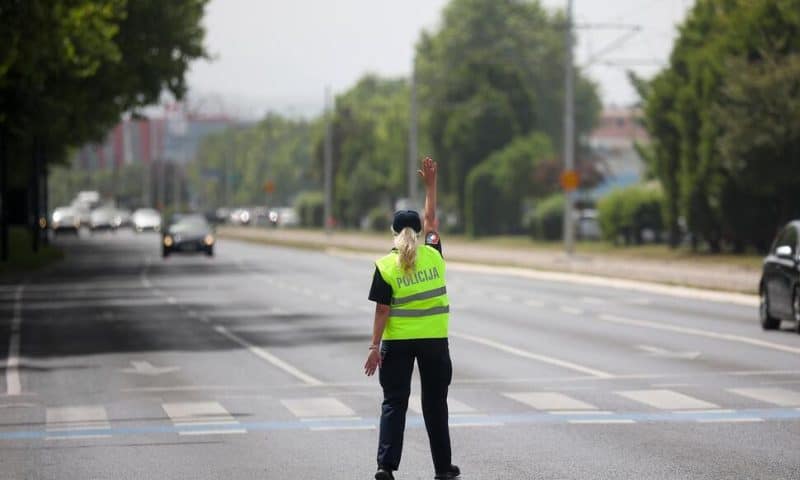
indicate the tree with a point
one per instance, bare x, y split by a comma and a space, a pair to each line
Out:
722, 118
492, 72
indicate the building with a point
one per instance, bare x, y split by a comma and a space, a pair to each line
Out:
614, 140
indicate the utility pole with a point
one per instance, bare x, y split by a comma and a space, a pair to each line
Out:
569, 131
412, 142
328, 154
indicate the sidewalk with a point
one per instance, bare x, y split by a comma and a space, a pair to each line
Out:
707, 275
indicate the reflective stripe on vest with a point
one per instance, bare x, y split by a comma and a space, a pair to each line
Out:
420, 308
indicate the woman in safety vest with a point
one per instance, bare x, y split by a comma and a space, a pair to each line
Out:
411, 318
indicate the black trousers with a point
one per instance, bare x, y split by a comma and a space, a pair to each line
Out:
435, 371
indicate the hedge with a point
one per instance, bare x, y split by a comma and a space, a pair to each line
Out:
625, 213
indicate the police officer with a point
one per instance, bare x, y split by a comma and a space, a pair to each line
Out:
411, 320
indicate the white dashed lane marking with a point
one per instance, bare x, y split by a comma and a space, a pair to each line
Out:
549, 401
201, 418
68, 422
666, 399
776, 396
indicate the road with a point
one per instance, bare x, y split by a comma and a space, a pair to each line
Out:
121, 365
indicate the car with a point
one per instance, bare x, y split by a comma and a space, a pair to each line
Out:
779, 289
187, 233
102, 218
145, 219
65, 220
122, 218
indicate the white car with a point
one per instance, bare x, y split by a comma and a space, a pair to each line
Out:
102, 219
64, 219
145, 219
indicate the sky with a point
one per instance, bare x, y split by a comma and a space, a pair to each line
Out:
280, 55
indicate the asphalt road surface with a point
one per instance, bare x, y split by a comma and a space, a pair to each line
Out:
121, 365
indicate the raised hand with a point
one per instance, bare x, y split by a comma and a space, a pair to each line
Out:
428, 171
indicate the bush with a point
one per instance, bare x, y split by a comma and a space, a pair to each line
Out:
625, 213
310, 208
547, 220
378, 219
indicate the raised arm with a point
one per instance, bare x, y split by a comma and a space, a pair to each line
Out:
428, 173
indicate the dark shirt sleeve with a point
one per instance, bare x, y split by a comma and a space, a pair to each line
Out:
380, 291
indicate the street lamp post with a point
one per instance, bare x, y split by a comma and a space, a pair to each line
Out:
569, 131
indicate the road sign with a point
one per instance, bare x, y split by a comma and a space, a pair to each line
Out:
569, 180
269, 186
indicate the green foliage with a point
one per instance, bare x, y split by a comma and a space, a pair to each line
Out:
310, 208
547, 221
723, 117
624, 213
379, 219
232, 166
70, 68
497, 187
492, 72
370, 134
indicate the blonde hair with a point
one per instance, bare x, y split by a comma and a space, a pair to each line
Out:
406, 244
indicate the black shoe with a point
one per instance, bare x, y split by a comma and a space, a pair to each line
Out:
451, 473
384, 473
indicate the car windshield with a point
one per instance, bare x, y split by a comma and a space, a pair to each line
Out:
188, 223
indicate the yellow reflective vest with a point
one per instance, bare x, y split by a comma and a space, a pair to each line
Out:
420, 308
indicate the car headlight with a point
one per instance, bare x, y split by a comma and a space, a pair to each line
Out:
209, 240
168, 241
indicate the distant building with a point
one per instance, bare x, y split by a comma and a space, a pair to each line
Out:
172, 136
613, 140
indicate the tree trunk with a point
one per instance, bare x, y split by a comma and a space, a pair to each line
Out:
3, 196
33, 197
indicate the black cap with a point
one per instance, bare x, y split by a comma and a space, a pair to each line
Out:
406, 218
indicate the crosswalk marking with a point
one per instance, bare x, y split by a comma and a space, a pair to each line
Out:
202, 418
534, 303
74, 419
318, 407
778, 396
666, 399
601, 421
549, 401
454, 407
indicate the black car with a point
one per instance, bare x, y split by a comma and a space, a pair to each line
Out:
780, 280
187, 233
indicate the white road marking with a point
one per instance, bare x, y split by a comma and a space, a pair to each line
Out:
366, 309
580, 412
454, 406
731, 420
549, 401
13, 382
503, 298
348, 427
148, 369
608, 282
317, 407
698, 412
343, 303
601, 421
533, 356
171, 300
664, 353
270, 358
777, 396
639, 301
594, 300
534, 303
571, 310
77, 418
476, 424
666, 399
699, 333
201, 414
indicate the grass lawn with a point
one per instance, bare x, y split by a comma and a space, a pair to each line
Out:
21, 257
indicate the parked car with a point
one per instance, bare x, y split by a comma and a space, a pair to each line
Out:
145, 219
187, 233
65, 220
780, 280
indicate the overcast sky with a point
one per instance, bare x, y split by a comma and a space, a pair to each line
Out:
280, 54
